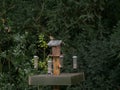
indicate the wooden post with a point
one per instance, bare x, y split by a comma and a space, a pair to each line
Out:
55, 44
56, 66
56, 63
56, 87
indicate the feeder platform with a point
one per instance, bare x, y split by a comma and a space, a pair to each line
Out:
62, 79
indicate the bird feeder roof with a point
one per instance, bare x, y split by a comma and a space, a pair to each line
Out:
54, 43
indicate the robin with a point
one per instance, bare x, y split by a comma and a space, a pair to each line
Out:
51, 37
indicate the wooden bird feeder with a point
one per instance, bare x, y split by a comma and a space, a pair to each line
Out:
55, 44
57, 79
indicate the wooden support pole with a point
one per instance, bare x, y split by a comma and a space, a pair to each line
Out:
56, 63
56, 87
56, 66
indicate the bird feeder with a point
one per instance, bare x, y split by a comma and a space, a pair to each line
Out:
74, 62
56, 52
57, 79
36, 62
50, 66
61, 61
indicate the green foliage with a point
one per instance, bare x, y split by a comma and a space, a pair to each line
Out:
43, 45
42, 42
89, 29
43, 65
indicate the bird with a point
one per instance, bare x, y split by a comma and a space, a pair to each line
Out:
51, 37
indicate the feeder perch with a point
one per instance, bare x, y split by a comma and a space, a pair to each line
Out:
60, 80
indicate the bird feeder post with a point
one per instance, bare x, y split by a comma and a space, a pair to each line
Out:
56, 63
56, 52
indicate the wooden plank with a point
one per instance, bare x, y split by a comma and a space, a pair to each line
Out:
62, 79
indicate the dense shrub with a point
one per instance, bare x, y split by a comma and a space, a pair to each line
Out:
89, 29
